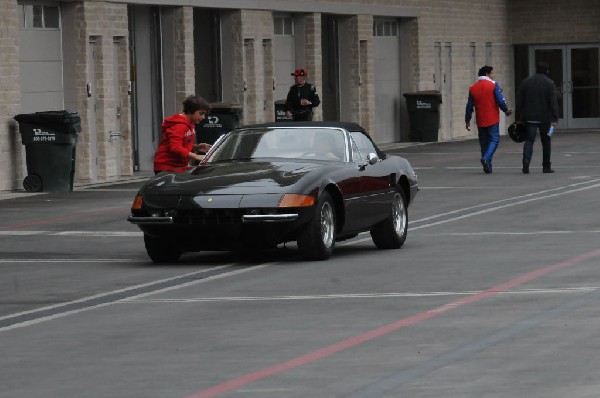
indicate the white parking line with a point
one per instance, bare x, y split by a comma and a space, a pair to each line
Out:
353, 296
134, 296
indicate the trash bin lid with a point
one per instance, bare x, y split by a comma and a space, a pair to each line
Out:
224, 105
61, 121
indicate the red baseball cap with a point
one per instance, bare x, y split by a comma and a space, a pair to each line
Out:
300, 72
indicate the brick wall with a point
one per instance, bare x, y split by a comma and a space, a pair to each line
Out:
107, 24
554, 21
184, 53
10, 97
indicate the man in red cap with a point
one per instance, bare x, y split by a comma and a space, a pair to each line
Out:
302, 97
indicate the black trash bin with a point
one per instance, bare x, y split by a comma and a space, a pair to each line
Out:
49, 139
223, 118
424, 114
280, 109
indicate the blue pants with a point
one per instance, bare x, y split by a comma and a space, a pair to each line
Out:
488, 141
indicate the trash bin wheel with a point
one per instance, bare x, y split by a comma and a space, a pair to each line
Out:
32, 183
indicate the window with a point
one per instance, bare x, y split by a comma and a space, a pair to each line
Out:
361, 146
36, 16
385, 27
283, 25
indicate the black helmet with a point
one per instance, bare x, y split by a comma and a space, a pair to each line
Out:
517, 132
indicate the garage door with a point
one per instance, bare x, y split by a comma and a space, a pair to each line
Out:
40, 58
387, 80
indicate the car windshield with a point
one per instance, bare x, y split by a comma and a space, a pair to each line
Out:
280, 142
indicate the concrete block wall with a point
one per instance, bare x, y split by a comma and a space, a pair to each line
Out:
460, 22
107, 24
257, 33
365, 79
554, 21
313, 56
184, 53
11, 150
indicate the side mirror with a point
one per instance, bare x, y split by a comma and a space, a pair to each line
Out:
372, 158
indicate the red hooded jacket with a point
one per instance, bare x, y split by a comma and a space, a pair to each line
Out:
178, 137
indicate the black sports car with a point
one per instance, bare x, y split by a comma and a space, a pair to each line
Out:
311, 182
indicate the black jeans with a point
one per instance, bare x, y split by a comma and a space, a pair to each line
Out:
532, 129
302, 116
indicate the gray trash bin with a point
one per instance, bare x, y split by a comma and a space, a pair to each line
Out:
50, 139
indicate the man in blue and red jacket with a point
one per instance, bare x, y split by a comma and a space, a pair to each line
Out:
486, 97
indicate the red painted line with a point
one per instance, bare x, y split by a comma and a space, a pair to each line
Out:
392, 327
67, 218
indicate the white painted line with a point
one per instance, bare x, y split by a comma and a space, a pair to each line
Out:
99, 233
71, 260
82, 234
353, 296
487, 209
21, 233
72, 312
509, 233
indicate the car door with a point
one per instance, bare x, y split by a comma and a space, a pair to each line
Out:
376, 181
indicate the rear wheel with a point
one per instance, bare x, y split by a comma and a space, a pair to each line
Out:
161, 250
317, 240
391, 233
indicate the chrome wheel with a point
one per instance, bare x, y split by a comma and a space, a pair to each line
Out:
327, 228
399, 215
391, 233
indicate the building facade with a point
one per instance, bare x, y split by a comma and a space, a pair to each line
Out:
124, 65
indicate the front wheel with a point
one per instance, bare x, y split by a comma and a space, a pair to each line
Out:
317, 239
391, 233
161, 250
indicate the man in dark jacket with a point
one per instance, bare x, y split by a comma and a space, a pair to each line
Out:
537, 107
301, 98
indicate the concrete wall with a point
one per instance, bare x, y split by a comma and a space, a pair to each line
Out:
474, 32
10, 98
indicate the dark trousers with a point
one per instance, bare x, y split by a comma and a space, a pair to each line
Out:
532, 129
302, 117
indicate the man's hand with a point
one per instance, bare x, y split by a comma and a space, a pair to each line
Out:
508, 112
467, 125
305, 102
203, 147
288, 114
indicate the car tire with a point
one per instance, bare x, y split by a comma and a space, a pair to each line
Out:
317, 239
391, 233
161, 250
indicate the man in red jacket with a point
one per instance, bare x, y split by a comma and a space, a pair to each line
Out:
486, 97
178, 146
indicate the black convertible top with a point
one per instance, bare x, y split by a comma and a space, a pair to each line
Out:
344, 125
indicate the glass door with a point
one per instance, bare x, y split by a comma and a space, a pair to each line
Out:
583, 86
555, 57
575, 70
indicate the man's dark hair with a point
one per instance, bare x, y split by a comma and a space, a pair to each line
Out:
194, 103
542, 67
484, 70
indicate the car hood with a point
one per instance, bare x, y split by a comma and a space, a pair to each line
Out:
228, 178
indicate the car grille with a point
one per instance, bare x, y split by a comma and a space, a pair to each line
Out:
209, 216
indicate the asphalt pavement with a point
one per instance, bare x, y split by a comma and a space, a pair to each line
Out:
495, 294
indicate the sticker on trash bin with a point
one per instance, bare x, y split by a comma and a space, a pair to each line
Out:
212, 122
43, 136
423, 105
